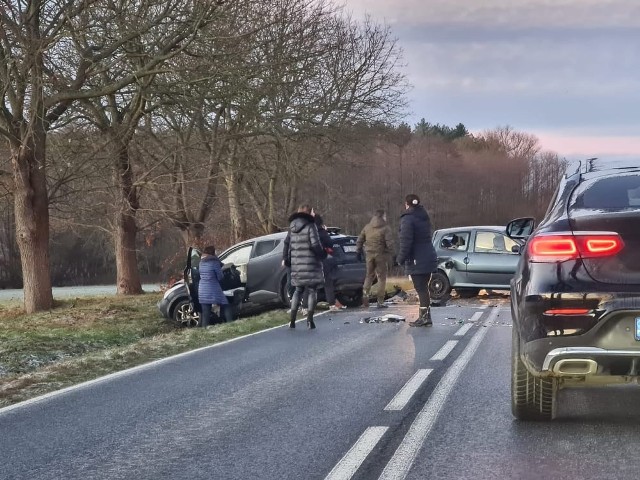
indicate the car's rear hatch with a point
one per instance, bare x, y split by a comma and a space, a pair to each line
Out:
610, 203
350, 270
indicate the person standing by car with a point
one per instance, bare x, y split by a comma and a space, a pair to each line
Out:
328, 265
417, 254
209, 289
377, 240
303, 253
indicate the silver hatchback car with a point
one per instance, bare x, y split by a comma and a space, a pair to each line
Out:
471, 258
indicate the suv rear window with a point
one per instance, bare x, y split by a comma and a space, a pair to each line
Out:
610, 193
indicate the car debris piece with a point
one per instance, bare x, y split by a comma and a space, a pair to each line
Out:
389, 318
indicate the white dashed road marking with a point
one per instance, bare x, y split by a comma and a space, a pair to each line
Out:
410, 388
402, 460
445, 350
463, 330
348, 466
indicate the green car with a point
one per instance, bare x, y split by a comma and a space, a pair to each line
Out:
471, 258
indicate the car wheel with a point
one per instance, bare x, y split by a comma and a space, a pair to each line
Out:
467, 292
532, 398
439, 287
184, 314
352, 299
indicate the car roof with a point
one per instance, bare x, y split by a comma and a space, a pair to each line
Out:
279, 236
596, 167
496, 228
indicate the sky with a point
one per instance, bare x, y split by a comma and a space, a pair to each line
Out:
567, 71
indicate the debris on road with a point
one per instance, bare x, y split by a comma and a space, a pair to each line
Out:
389, 318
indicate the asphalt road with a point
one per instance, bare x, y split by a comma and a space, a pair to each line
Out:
348, 400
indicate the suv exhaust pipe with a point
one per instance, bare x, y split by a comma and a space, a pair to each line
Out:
575, 366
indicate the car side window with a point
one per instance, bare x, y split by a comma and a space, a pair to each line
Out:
239, 256
493, 242
264, 247
458, 241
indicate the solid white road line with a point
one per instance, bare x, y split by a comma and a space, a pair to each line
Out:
410, 388
476, 316
483, 307
402, 460
463, 330
445, 350
348, 466
139, 368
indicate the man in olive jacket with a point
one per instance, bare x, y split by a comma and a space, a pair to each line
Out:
377, 240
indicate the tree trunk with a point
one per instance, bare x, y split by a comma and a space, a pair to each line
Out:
192, 234
31, 203
238, 222
128, 276
271, 221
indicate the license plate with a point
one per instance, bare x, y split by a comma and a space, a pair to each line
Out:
349, 248
638, 328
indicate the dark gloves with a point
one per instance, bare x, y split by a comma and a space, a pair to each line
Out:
359, 256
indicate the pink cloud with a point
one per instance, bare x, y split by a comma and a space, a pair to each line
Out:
589, 145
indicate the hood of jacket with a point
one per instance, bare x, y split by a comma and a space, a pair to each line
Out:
418, 211
378, 222
210, 258
299, 220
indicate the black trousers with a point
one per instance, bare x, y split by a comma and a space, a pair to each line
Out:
421, 284
226, 314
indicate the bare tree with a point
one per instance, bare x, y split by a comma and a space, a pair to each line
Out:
53, 53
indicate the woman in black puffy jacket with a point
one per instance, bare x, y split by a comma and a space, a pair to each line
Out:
303, 253
417, 253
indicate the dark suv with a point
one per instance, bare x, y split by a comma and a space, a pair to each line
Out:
254, 275
575, 298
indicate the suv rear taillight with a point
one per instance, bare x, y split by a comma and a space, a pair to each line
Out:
560, 247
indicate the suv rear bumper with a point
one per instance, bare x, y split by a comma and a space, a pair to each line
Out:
608, 348
578, 361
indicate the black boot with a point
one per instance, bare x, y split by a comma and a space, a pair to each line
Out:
292, 321
310, 323
424, 320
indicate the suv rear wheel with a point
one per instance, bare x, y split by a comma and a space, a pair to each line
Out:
532, 398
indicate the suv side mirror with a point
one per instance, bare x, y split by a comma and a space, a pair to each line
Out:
521, 228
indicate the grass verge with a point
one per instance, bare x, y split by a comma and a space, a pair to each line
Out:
82, 339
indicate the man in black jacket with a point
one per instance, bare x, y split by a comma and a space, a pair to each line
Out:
303, 253
328, 265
